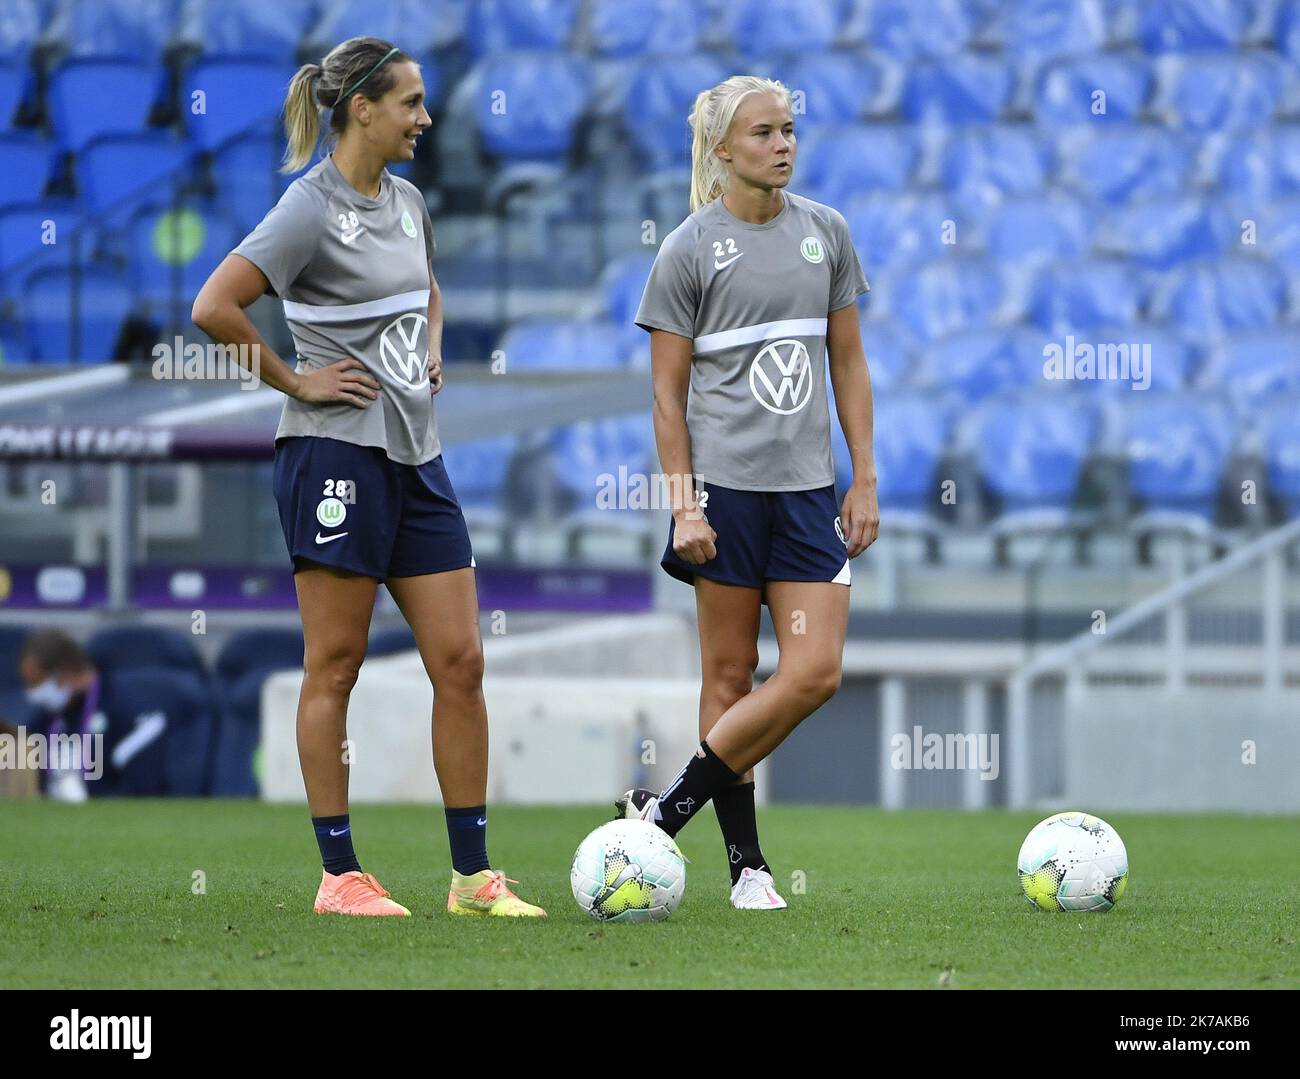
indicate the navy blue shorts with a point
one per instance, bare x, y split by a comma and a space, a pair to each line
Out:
768, 536
353, 508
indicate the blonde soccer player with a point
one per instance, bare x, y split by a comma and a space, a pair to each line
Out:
747, 301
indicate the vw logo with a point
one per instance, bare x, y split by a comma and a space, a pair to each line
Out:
397, 349
781, 370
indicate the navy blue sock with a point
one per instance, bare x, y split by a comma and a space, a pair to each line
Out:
334, 836
467, 833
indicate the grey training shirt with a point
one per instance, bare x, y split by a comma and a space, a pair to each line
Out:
353, 273
754, 300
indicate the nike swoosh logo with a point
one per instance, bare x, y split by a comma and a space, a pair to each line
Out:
344, 832
723, 265
630, 872
482, 821
348, 237
328, 539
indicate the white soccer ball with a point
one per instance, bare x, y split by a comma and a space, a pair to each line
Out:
628, 871
1073, 862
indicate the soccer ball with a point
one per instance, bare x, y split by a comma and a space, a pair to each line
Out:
628, 871
1073, 862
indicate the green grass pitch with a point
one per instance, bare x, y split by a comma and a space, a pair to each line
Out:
101, 895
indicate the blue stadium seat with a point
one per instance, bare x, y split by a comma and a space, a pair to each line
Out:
22, 242
478, 469
975, 364
761, 27
258, 650
1121, 162
251, 29
562, 344
656, 27
965, 89
909, 31
910, 434
1282, 455
889, 358
547, 94
178, 762
387, 642
13, 346
124, 29
948, 296
15, 82
622, 284
1043, 29
833, 87
833, 164
27, 161
1225, 297
1031, 452
417, 27
1220, 93
658, 100
19, 28
244, 663
1070, 297
59, 330
14, 708
1190, 25
1162, 233
246, 174
145, 647
1279, 233
239, 96
1030, 230
90, 98
587, 456
497, 26
1176, 449
238, 737
1252, 369
998, 160
117, 171
173, 249
1066, 89
886, 228
1286, 30
1261, 165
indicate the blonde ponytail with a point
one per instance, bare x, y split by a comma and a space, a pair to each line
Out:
710, 122
301, 117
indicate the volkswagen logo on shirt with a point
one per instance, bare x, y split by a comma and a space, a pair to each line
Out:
397, 349
780, 377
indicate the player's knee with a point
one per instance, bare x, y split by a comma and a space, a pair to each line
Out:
730, 679
335, 674
459, 670
816, 683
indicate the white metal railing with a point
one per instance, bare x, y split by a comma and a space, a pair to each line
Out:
1170, 660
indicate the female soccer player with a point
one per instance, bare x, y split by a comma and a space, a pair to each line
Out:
746, 299
359, 478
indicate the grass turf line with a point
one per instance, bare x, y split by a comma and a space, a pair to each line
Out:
100, 895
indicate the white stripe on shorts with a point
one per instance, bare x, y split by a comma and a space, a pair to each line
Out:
351, 312
748, 335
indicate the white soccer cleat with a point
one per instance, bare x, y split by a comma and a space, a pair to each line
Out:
755, 891
637, 804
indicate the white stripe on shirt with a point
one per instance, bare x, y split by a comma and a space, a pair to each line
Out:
351, 312
747, 335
